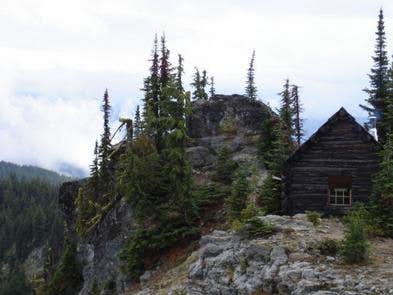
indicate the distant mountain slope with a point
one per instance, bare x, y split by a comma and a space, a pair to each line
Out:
30, 172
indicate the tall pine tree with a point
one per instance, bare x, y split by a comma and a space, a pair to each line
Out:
105, 145
378, 90
138, 125
251, 89
286, 111
199, 83
180, 72
212, 88
297, 110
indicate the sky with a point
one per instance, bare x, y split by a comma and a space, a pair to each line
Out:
58, 57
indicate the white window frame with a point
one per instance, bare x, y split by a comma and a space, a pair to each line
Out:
340, 192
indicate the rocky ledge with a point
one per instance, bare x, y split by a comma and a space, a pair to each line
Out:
285, 263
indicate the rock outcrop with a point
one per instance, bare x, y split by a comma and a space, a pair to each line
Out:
285, 263
233, 120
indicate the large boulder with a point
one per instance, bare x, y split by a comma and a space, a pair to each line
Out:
233, 121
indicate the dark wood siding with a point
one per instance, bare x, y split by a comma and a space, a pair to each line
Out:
340, 148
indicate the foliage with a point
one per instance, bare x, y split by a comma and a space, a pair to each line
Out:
154, 174
250, 212
297, 110
31, 172
378, 92
138, 124
199, 83
68, 277
267, 139
328, 247
382, 201
314, 217
225, 166
270, 196
105, 145
255, 227
209, 194
212, 90
16, 284
150, 243
239, 192
355, 246
286, 111
251, 89
29, 217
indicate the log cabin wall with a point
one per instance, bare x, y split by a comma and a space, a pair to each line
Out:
341, 147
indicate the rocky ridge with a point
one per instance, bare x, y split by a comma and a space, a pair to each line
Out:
285, 263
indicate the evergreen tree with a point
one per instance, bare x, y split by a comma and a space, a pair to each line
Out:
179, 73
270, 196
297, 110
286, 111
355, 246
239, 193
378, 92
212, 89
199, 83
138, 125
105, 146
225, 166
68, 277
94, 169
382, 202
251, 89
267, 138
151, 100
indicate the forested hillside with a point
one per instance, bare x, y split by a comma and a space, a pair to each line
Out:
29, 172
29, 218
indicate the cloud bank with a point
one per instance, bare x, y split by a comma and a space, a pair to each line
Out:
57, 58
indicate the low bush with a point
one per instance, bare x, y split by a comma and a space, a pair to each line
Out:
355, 246
328, 247
255, 227
314, 217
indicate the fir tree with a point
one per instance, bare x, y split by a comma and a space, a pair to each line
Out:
382, 202
138, 125
225, 166
212, 89
286, 111
199, 83
165, 65
267, 138
239, 193
379, 80
251, 89
105, 146
179, 73
297, 110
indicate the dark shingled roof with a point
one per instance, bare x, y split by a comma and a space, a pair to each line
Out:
339, 115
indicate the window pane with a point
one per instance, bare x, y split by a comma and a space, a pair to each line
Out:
346, 201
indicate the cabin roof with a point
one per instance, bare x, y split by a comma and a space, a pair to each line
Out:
339, 115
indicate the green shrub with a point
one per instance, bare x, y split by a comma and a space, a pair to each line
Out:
255, 227
225, 167
270, 196
355, 246
68, 276
239, 192
314, 217
328, 247
250, 211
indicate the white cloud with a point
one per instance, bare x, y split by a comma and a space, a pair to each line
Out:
57, 57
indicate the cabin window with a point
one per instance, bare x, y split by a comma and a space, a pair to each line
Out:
340, 190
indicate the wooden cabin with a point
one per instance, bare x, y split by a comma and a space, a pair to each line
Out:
332, 170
